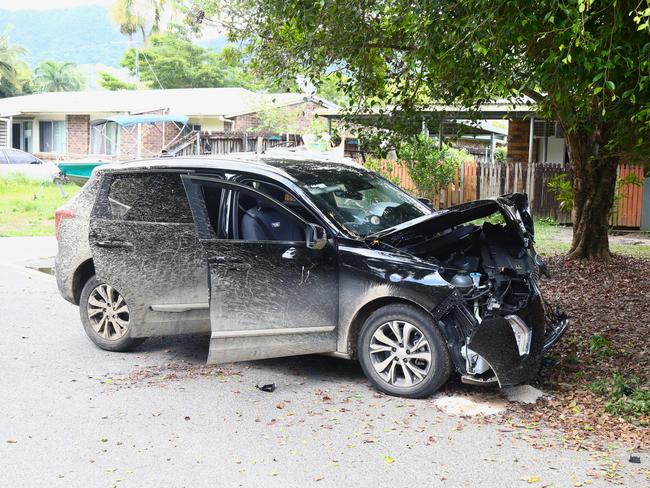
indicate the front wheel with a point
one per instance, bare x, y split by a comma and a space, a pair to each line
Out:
402, 352
106, 318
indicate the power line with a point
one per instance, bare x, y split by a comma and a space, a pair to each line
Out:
153, 72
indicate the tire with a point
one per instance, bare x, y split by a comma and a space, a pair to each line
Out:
419, 336
115, 333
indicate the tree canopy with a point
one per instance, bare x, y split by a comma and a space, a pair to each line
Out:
585, 63
173, 62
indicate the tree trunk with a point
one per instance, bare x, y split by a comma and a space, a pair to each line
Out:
594, 186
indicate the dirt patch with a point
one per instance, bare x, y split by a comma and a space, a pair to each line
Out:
162, 375
632, 238
600, 386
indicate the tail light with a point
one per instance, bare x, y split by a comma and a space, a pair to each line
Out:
59, 216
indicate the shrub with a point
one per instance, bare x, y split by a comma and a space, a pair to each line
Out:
432, 168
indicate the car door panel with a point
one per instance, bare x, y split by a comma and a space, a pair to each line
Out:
158, 267
267, 298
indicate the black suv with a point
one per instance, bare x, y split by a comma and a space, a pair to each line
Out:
279, 256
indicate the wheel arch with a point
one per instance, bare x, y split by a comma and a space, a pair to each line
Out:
354, 328
81, 275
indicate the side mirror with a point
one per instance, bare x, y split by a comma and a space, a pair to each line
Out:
426, 201
315, 236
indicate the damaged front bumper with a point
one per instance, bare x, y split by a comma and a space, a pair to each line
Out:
512, 346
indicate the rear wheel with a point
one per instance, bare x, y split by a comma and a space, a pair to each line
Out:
402, 352
106, 318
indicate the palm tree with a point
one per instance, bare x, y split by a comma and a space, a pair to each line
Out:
9, 64
57, 77
122, 12
138, 15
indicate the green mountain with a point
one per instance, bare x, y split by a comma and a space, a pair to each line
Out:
83, 35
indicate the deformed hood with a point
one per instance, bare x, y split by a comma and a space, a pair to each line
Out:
513, 207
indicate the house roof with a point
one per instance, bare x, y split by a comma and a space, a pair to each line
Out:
197, 102
498, 109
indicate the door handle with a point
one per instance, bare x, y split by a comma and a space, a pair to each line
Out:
115, 244
226, 260
289, 253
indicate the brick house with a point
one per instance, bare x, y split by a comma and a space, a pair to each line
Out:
74, 125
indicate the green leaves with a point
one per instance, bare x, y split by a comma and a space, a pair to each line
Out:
579, 57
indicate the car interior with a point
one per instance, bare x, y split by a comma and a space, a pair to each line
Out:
255, 219
260, 220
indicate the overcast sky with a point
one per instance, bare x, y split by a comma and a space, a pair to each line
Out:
47, 4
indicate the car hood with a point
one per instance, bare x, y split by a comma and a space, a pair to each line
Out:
513, 207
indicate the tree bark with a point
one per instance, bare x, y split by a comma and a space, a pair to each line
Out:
594, 187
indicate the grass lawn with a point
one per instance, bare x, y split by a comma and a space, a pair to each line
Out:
27, 207
553, 239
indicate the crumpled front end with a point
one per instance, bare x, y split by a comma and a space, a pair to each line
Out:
504, 346
514, 345
496, 322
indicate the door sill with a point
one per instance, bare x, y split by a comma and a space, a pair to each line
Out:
179, 307
222, 334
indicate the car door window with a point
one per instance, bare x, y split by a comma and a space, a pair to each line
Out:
19, 157
260, 220
245, 216
257, 219
158, 197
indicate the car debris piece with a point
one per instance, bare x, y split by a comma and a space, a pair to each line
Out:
268, 388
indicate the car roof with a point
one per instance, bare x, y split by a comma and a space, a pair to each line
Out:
273, 161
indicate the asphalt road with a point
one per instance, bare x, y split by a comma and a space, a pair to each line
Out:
73, 415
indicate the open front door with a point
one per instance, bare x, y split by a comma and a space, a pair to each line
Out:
268, 298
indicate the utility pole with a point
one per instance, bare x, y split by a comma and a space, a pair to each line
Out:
137, 62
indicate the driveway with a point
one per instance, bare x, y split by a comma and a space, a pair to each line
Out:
74, 415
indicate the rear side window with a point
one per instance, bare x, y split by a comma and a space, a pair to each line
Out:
155, 197
19, 157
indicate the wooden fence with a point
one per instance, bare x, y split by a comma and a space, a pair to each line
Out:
231, 142
483, 180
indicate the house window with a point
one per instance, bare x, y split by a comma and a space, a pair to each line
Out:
52, 136
105, 138
22, 135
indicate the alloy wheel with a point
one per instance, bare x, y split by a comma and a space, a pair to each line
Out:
108, 312
400, 353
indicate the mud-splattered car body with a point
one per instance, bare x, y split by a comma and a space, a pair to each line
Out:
183, 267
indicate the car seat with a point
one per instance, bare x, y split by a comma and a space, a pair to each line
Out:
265, 223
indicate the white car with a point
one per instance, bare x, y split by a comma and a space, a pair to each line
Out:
15, 161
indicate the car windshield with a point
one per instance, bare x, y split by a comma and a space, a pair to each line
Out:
357, 199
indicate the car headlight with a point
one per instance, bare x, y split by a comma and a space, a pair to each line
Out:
522, 332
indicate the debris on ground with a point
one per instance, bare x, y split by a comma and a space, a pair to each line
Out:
160, 375
600, 388
268, 388
523, 394
471, 406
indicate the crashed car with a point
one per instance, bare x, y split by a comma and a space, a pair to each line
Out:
285, 256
